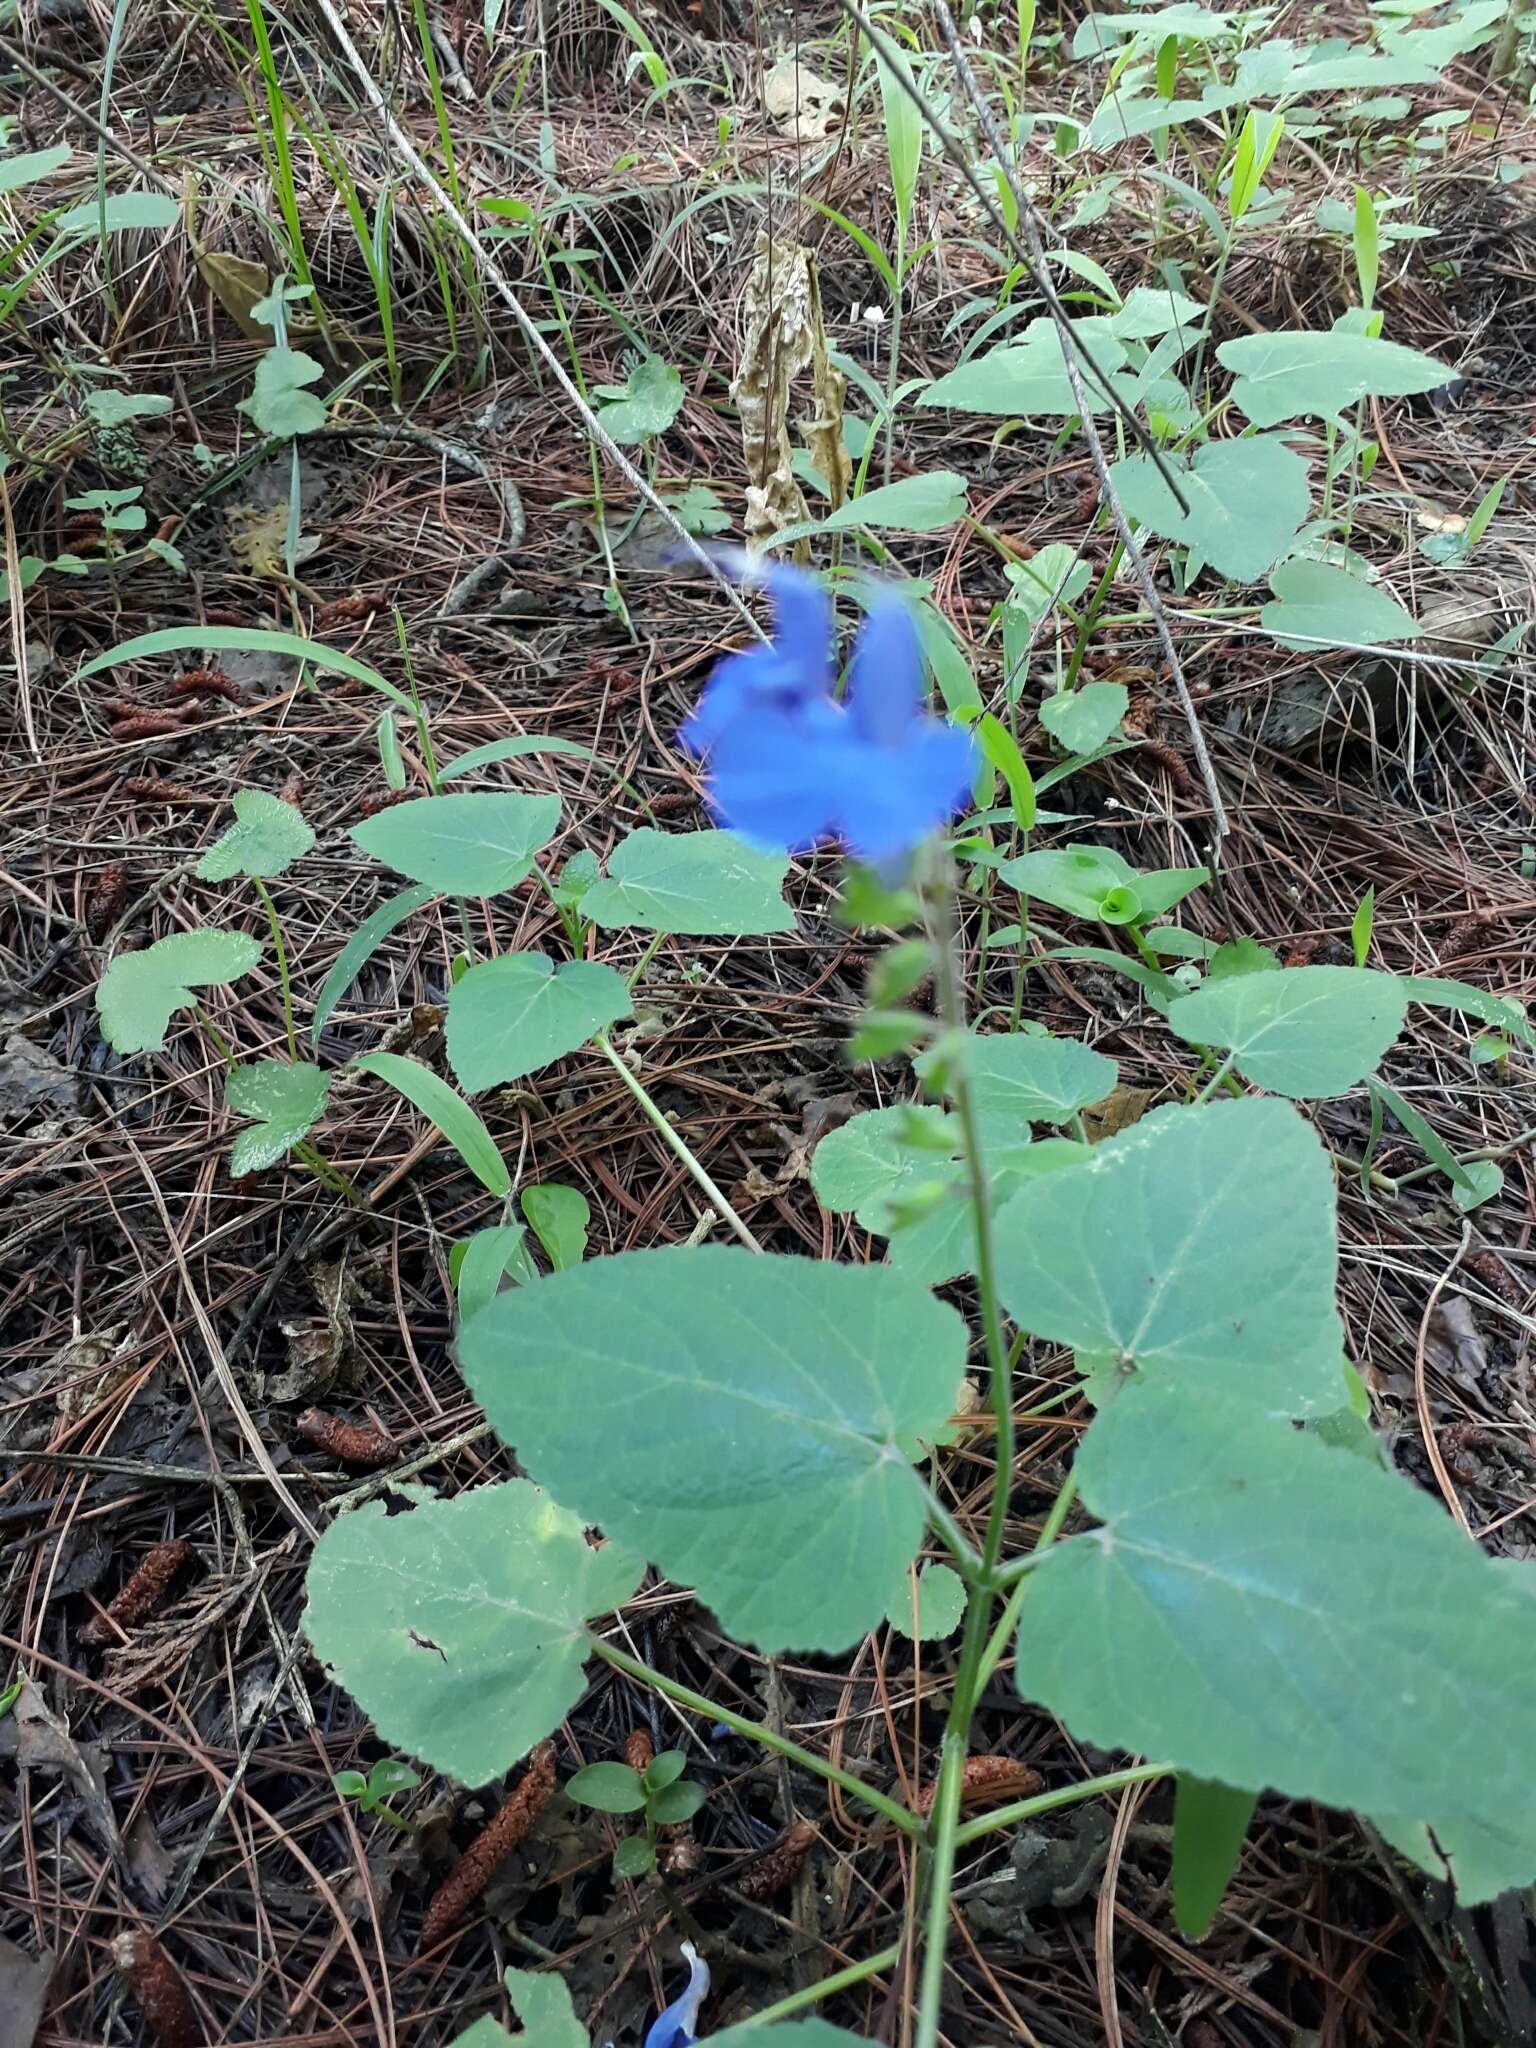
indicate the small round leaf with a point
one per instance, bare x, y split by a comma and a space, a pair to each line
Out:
611, 1788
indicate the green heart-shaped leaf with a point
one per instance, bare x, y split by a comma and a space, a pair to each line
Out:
284, 1099
460, 1625
1247, 1582
1196, 1247
1028, 1078
1246, 500
710, 1408
1084, 718
267, 836
474, 843
1306, 1032
1289, 375
1319, 604
511, 1016
702, 884
137, 995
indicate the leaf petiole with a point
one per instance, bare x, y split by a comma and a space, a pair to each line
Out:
897, 1815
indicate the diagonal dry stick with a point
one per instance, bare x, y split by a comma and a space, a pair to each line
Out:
532, 335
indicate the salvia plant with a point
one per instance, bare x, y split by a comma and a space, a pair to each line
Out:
1231, 1589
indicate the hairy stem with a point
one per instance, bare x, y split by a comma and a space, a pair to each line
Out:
944, 1824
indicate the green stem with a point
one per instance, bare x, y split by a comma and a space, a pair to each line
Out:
1048, 1802
645, 959
828, 1987
221, 1044
676, 1144
1016, 1575
897, 1815
944, 1823
328, 1175
1216, 1081
282, 964
893, 354
949, 1532
1090, 619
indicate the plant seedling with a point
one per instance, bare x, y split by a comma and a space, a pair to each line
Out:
660, 1792
372, 1794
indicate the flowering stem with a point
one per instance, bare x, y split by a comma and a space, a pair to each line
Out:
770, 1738
944, 1825
676, 1144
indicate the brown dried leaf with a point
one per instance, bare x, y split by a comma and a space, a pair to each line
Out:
785, 336
23, 1993
800, 103
1456, 1343
239, 285
85, 1371
1121, 1107
40, 1741
321, 1349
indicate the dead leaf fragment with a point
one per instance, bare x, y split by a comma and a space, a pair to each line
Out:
785, 335
258, 539
39, 1741
151, 1866
1121, 1107
1456, 1343
801, 104
32, 1079
239, 286
24, 1983
320, 1348
89, 1369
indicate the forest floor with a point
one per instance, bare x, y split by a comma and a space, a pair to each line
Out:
161, 1323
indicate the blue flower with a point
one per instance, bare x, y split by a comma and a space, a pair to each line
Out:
788, 767
676, 2026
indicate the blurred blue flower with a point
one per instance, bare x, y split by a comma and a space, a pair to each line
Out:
676, 2026
788, 767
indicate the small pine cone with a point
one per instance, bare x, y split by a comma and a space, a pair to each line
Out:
152, 789
986, 1781
1301, 953
638, 1749
781, 1866
1461, 938
148, 725
494, 1843
141, 1595
1169, 759
158, 1990
1140, 713
104, 899
342, 609
207, 682
1493, 1272
354, 1443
